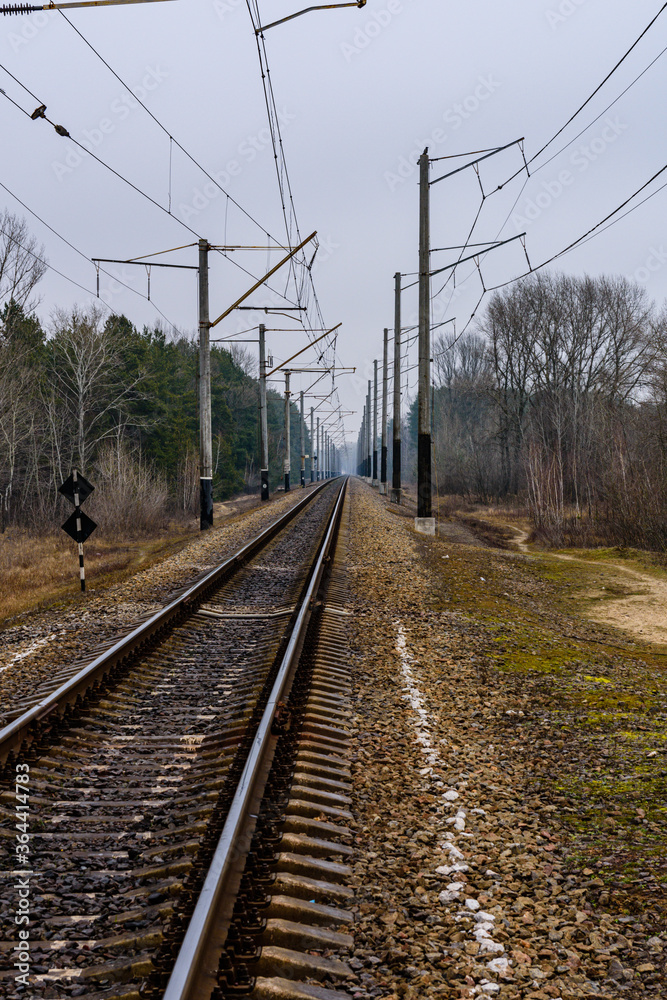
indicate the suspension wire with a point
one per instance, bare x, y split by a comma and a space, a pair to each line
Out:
46, 264
83, 255
594, 231
171, 147
161, 126
63, 132
305, 288
284, 182
594, 94
601, 85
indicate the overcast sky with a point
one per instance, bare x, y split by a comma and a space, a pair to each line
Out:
360, 94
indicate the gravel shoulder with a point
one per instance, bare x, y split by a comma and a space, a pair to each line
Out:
509, 777
510, 760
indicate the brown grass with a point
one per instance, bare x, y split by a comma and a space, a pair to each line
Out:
36, 570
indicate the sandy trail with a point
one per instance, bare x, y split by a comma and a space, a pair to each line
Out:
643, 615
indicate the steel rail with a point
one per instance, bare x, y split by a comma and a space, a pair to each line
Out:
193, 976
15, 733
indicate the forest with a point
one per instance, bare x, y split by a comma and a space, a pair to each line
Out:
119, 404
558, 398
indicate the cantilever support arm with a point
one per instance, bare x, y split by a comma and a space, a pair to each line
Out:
321, 6
311, 344
262, 280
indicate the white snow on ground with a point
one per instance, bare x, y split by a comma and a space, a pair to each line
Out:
454, 893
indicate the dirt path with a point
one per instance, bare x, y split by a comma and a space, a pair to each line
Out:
643, 614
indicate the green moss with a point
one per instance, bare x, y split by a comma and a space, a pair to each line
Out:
601, 695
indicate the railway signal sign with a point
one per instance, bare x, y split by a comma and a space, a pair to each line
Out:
76, 489
69, 491
79, 534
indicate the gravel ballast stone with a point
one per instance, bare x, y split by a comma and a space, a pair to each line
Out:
462, 888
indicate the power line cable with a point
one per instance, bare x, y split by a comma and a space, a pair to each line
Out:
597, 119
41, 260
595, 230
594, 94
601, 85
83, 255
40, 113
288, 207
284, 182
567, 145
62, 131
166, 131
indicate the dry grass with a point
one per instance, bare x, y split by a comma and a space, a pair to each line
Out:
37, 570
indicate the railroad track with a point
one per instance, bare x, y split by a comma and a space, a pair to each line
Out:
187, 789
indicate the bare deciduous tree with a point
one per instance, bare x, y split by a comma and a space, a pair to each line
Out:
22, 261
89, 379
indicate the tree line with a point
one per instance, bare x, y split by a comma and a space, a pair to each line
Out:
119, 404
558, 397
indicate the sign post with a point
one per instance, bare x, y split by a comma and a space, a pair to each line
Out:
78, 526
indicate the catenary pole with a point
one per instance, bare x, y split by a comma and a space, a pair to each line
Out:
287, 433
303, 444
312, 445
318, 454
205, 442
362, 444
369, 427
424, 521
375, 423
359, 445
383, 422
396, 449
263, 422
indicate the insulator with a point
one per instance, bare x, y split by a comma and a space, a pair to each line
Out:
19, 8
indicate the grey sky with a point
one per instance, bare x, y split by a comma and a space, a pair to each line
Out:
361, 92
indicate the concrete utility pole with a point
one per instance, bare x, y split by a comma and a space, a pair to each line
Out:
312, 446
360, 445
205, 442
383, 424
375, 423
424, 522
396, 453
303, 446
318, 453
369, 428
263, 423
287, 433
